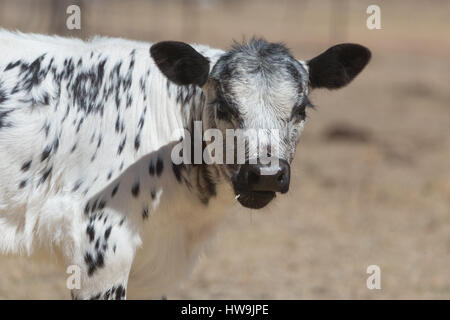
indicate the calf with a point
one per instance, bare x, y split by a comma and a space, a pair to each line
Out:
87, 138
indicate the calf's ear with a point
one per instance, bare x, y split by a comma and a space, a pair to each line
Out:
180, 63
338, 66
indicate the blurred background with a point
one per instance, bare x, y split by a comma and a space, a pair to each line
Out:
371, 182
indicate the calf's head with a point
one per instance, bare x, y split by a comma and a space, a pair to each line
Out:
257, 96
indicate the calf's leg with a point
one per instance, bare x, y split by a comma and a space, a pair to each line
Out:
103, 256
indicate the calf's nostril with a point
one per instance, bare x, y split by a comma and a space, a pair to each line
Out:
263, 178
281, 179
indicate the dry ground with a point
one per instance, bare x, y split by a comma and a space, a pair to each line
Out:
371, 178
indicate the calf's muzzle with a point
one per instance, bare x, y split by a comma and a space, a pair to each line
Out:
260, 177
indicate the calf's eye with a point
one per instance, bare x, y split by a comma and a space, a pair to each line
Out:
222, 113
299, 113
302, 115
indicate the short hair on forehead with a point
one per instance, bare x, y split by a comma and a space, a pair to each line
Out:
260, 47
257, 56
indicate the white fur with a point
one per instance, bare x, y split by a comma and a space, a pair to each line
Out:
51, 215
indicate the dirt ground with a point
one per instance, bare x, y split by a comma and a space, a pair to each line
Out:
371, 178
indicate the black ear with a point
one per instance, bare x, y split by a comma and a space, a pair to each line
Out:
337, 66
180, 63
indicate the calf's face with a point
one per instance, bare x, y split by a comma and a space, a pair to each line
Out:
257, 97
